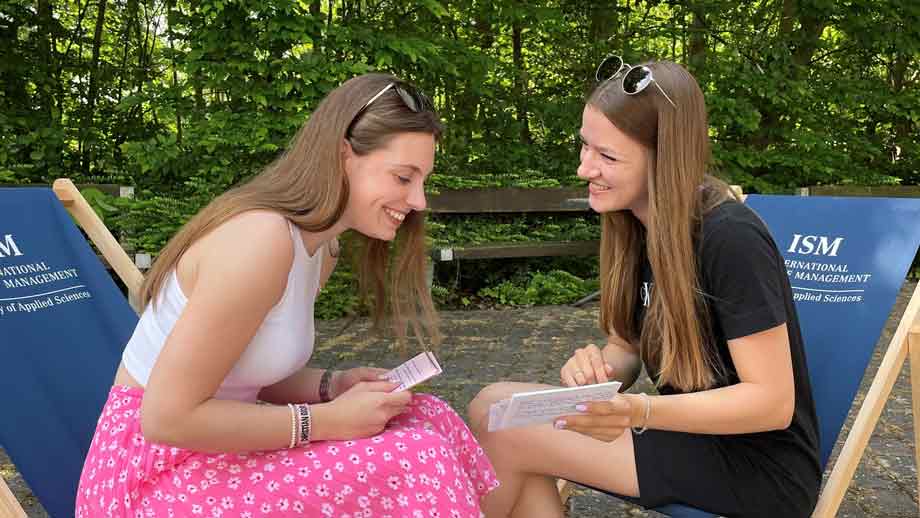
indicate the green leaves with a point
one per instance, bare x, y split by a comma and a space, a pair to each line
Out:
473, 230
553, 287
194, 97
434, 7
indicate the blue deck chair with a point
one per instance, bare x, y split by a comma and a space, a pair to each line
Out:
63, 324
842, 317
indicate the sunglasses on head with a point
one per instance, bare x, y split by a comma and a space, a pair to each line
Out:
415, 100
635, 79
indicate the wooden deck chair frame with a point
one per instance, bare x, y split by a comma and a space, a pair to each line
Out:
108, 246
905, 343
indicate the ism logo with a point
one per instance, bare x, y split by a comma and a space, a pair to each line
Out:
814, 245
8, 247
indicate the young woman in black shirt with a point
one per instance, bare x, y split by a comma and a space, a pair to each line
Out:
693, 288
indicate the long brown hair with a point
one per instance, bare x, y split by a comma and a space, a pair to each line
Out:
674, 337
308, 185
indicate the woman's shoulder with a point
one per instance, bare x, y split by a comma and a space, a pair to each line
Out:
256, 240
253, 228
732, 215
736, 241
730, 211
264, 220
733, 225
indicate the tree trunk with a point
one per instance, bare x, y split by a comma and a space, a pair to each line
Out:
604, 36
170, 36
44, 85
126, 45
520, 81
903, 126
64, 60
788, 16
697, 47
803, 43
807, 40
93, 91
125, 71
15, 94
468, 104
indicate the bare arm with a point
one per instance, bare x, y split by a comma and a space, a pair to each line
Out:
623, 357
302, 386
618, 360
763, 400
227, 302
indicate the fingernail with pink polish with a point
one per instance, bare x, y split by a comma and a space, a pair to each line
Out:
559, 425
581, 408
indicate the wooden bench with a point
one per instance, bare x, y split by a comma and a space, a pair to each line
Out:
570, 200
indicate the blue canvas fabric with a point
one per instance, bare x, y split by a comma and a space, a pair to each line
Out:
63, 324
846, 259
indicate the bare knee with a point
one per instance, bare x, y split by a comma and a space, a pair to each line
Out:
478, 408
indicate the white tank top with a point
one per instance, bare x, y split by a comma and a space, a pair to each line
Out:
281, 345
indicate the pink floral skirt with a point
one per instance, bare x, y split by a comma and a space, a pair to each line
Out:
425, 464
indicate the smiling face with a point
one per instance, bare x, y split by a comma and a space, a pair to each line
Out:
387, 184
615, 166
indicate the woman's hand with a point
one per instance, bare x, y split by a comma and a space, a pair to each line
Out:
606, 420
586, 367
343, 380
362, 411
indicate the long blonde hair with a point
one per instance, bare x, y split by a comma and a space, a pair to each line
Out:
674, 337
308, 185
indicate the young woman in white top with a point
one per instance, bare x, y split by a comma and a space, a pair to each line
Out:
228, 326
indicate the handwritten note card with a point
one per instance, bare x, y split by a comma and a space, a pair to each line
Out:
544, 406
414, 371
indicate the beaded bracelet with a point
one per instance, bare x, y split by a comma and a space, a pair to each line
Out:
306, 423
648, 411
294, 422
324, 383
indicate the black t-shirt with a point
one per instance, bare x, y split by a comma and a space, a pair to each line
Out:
746, 288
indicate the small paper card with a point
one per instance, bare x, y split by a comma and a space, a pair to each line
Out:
497, 414
544, 406
420, 368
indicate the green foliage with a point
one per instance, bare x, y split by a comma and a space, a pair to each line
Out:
184, 99
553, 287
530, 179
473, 230
103, 204
214, 90
147, 223
339, 296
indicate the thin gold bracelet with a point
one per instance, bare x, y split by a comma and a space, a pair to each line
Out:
648, 411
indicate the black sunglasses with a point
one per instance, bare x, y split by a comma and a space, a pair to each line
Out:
635, 80
415, 100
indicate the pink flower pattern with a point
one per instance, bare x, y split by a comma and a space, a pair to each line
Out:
425, 463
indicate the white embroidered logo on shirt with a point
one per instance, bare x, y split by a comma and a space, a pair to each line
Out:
646, 292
